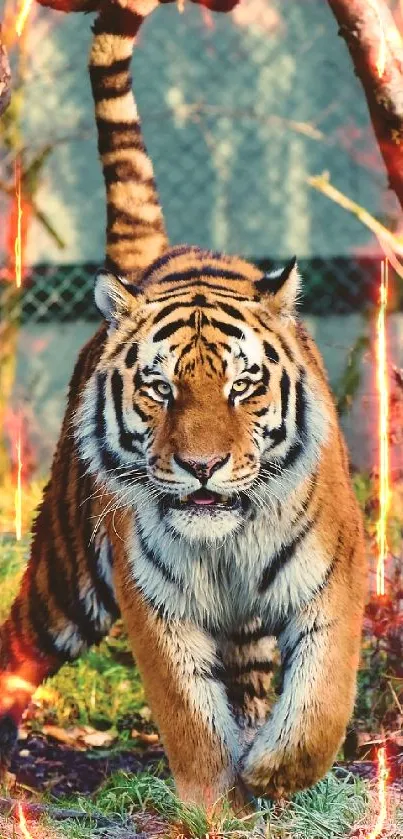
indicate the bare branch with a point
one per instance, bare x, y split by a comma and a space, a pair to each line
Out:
375, 46
92, 5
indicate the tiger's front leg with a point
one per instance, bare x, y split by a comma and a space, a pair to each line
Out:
299, 742
177, 661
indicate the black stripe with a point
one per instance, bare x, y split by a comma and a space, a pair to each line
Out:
288, 653
143, 416
135, 219
105, 72
68, 591
283, 344
110, 461
104, 92
285, 555
307, 500
127, 439
228, 329
270, 353
239, 692
333, 563
24, 647
300, 407
231, 311
167, 257
235, 670
293, 454
244, 636
278, 435
254, 394
123, 171
307, 342
117, 136
204, 271
117, 21
197, 301
100, 403
102, 590
169, 329
131, 356
157, 562
39, 617
176, 293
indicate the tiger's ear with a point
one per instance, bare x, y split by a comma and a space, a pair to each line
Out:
113, 296
282, 288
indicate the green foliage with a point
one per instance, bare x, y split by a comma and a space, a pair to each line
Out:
350, 379
102, 689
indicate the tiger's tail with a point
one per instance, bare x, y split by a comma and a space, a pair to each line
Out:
135, 234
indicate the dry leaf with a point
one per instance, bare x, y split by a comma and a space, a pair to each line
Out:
98, 738
148, 739
69, 736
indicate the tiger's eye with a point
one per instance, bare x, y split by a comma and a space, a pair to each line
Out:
240, 386
162, 388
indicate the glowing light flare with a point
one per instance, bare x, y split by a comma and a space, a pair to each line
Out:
389, 36
22, 824
22, 16
383, 395
18, 237
381, 56
18, 492
383, 775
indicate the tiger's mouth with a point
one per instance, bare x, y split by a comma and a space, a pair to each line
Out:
205, 501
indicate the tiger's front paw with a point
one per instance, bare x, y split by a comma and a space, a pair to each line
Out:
277, 774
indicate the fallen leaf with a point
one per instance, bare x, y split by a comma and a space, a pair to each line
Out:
98, 738
68, 736
149, 739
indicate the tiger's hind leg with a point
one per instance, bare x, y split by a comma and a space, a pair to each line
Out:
249, 659
65, 604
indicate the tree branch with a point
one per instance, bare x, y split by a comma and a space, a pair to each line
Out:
5, 78
375, 46
93, 5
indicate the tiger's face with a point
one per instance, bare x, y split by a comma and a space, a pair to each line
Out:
199, 403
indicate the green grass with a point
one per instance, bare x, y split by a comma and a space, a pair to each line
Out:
333, 808
96, 690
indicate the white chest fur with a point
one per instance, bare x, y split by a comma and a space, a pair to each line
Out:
225, 586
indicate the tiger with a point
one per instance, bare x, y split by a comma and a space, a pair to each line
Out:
201, 490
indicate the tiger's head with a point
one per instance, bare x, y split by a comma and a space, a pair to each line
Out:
204, 406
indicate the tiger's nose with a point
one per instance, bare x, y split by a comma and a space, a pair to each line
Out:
201, 467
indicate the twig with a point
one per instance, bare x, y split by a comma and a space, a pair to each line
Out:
323, 185
34, 812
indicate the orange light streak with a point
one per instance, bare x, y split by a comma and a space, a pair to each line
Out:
383, 775
18, 493
17, 244
384, 500
383, 393
22, 824
22, 16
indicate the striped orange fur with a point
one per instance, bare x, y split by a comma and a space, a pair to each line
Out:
200, 487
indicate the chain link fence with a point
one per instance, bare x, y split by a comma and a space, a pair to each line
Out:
65, 293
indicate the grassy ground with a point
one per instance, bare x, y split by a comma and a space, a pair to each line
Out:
102, 693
